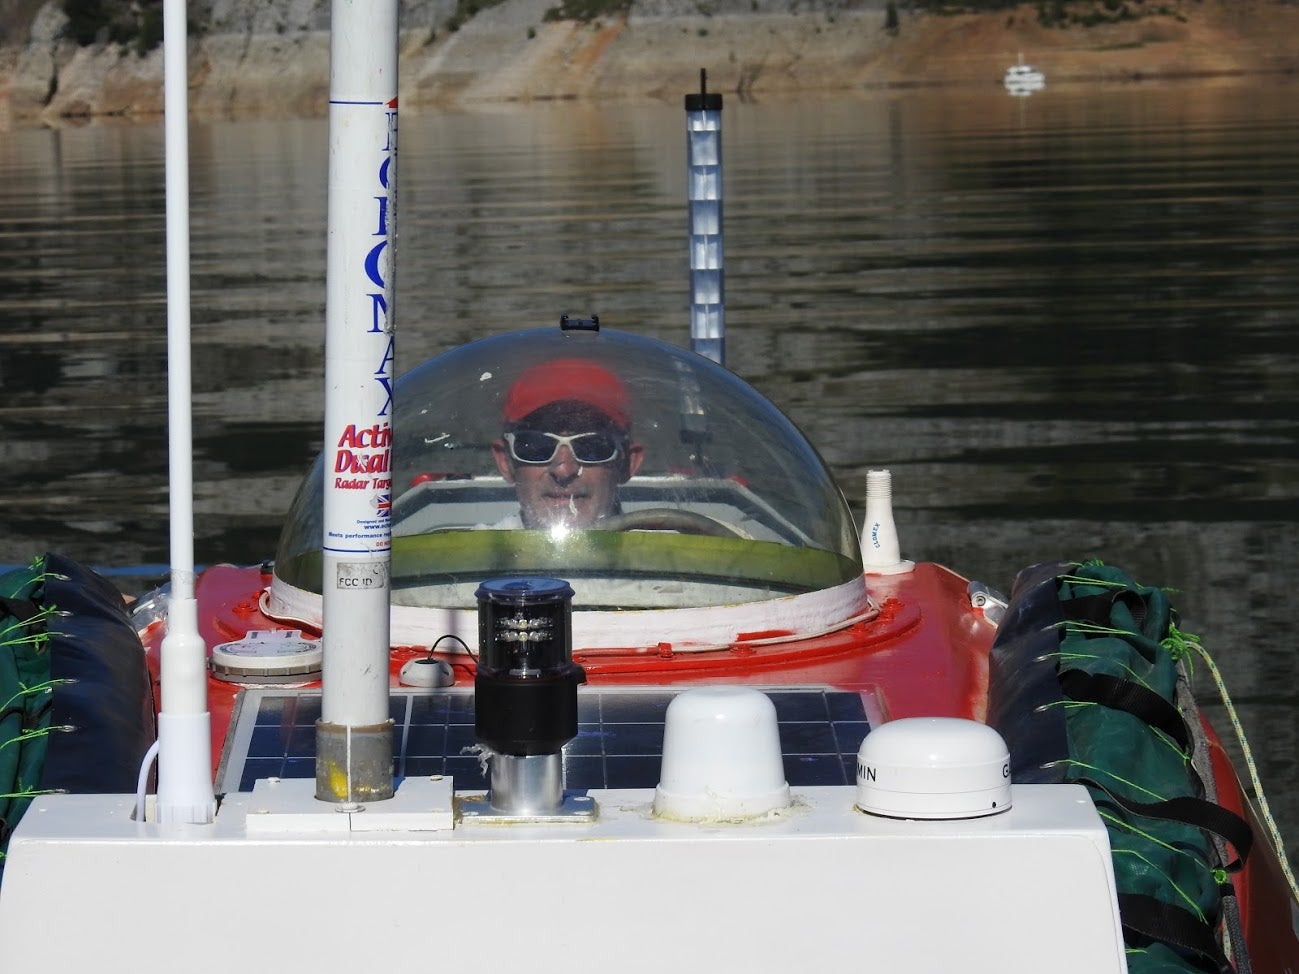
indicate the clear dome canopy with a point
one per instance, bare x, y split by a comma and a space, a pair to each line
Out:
648, 477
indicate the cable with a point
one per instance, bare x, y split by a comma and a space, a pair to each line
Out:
1273, 830
142, 783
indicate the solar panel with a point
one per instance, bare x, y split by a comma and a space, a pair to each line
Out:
619, 741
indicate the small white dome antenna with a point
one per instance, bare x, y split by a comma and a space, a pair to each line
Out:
933, 768
880, 553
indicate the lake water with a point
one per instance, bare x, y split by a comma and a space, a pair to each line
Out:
1066, 323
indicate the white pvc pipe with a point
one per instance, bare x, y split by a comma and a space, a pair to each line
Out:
184, 732
359, 322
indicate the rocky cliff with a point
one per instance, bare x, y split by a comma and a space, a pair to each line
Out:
254, 57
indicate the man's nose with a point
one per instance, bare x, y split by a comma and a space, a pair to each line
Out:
563, 465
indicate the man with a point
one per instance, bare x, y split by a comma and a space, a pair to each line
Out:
567, 444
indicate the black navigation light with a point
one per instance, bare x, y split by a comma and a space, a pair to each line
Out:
526, 688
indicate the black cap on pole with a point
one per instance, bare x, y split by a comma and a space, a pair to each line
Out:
703, 100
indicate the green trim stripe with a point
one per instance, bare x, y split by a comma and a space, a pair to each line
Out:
456, 555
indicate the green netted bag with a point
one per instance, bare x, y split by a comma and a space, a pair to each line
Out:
1129, 745
26, 693
77, 697
1087, 684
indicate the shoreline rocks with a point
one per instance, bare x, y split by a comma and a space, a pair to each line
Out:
272, 60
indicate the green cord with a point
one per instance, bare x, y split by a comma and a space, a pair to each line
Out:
46, 687
1251, 767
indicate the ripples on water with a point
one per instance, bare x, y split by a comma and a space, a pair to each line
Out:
1064, 322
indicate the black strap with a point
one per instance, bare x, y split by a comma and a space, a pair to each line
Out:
33, 720
1088, 608
1195, 812
1130, 697
24, 610
29, 720
1096, 608
1154, 920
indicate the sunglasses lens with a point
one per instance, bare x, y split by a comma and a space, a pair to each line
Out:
594, 448
530, 446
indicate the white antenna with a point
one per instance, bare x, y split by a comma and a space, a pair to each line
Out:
354, 733
184, 727
880, 553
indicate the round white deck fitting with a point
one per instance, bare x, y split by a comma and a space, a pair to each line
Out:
425, 672
933, 768
721, 756
268, 657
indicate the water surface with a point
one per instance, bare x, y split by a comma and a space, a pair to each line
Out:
1065, 323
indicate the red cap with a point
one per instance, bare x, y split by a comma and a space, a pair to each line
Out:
569, 380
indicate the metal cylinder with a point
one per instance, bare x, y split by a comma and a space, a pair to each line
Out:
530, 784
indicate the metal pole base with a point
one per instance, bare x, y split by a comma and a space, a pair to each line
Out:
531, 784
353, 762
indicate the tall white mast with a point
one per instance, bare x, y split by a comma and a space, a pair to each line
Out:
184, 727
354, 734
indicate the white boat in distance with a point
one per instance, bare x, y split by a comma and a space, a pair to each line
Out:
1023, 79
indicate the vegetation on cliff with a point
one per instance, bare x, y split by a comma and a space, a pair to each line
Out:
1065, 13
135, 24
583, 11
586, 11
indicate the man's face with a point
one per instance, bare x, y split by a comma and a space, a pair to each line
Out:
564, 491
